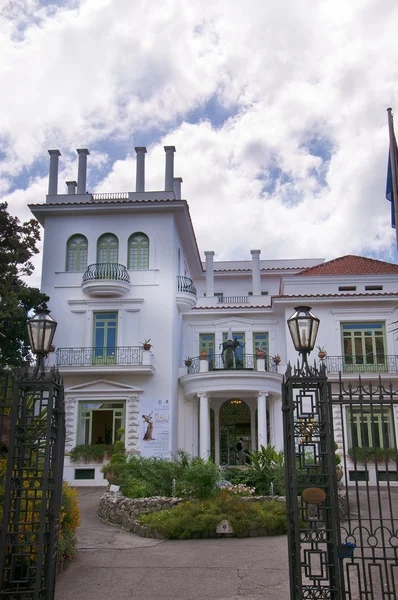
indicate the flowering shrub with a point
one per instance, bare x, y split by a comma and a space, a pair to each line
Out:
239, 490
68, 523
31, 503
86, 453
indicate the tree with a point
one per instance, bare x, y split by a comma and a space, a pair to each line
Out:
18, 243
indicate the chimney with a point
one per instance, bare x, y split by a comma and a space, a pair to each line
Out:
82, 170
140, 173
209, 274
71, 185
53, 178
256, 277
177, 181
169, 176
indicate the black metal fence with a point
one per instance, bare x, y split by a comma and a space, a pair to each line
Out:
185, 284
246, 362
311, 488
374, 363
112, 271
84, 357
365, 422
33, 486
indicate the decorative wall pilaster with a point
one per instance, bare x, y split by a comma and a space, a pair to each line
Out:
132, 436
70, 423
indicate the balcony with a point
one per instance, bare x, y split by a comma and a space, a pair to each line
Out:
233, 299
186, 293
248, 362
106, 280
244, 375
120, 358
374, 363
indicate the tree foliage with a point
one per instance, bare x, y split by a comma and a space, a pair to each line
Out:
18, 243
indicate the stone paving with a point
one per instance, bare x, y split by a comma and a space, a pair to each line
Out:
113, 564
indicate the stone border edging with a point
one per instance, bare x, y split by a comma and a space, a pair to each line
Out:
119, 510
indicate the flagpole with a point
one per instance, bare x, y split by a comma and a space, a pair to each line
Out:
394, 167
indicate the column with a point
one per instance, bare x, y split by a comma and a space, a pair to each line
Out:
53, 178
217, 435
169, 173
140, 172
209, 274
82, 170
204, 420
278, 424
256, 277
262, 419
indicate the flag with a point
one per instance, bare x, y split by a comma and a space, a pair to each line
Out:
389, 188
392, 172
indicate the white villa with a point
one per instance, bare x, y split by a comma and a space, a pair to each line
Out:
121, 268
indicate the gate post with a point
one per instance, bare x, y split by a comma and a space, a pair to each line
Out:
311, 486
33, 488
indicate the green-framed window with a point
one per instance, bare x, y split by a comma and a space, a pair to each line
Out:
108, 249
260, 342
98, 422
364, 346
76, 253
138, 251
207, 342
370, 427
105, 337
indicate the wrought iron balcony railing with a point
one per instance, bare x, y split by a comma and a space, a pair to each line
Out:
247, 362
110, 271
359, 363
85, 357
185, 284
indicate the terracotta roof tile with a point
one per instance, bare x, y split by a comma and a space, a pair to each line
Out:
352, 265
374, 294
229, 306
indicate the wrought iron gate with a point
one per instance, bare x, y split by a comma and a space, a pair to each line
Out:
343, 536
365, 423
34, 420
311, 488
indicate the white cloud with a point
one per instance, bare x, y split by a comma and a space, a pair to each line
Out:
103, 71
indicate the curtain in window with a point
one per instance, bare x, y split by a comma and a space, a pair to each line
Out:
76, 253
138, 251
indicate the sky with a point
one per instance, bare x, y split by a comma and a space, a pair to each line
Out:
277, 110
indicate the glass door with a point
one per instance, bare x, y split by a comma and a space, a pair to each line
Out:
105, 333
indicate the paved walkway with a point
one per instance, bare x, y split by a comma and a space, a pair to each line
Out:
115, 565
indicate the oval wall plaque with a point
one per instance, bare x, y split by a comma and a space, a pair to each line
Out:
313, 495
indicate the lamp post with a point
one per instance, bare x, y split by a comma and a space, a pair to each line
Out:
41, 330
303, 326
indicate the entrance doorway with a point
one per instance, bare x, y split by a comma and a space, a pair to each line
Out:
234, 424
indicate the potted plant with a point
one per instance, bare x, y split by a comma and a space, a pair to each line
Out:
146, 344
188, 361
322, 352
260, 353
276, 359
203, 355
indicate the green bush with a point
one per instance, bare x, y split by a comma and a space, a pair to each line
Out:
86, 453
198, 519
194, 475
266, 467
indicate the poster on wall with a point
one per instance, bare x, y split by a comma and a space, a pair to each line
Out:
155, 428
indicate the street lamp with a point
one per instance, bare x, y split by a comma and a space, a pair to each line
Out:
303, 326
41, 329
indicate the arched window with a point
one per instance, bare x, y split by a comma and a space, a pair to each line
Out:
107, 249
76, 253
138, 252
